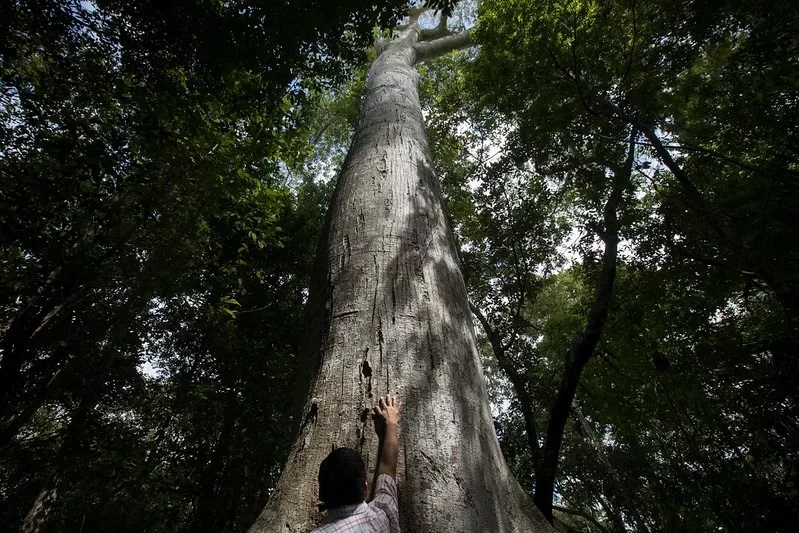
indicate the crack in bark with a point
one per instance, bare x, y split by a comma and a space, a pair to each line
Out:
430, 349
380, 339
377, 285
345, 313
393, 304
467, 493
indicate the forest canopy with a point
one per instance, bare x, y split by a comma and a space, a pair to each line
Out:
621, 179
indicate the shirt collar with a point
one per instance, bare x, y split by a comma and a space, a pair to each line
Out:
344, 511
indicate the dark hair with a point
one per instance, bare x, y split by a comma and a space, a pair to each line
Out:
341, 478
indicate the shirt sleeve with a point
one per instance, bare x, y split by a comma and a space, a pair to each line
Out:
386, 500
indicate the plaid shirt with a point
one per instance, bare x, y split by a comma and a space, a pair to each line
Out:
381, 515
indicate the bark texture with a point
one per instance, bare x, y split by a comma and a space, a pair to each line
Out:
391, 316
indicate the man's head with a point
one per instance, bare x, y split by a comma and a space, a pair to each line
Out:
342, 478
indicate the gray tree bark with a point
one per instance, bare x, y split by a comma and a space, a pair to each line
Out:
390, 315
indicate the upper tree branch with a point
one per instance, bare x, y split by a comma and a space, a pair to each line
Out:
517, 381
439, 31
777, 174
416, 12
716, 221
426, 50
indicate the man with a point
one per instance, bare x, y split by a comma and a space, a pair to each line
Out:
343, 488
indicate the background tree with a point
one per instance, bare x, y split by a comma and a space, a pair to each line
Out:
576, 55
674, 72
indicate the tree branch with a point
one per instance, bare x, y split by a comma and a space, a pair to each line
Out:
516, 380
439, 31
581, 514
718, 224
415, 12
784, 175
427, 50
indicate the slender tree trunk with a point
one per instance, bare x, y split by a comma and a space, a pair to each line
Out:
22, 393
36, 518
36, 395
517, 381
390, 315
585, 342
209, 503
613, 481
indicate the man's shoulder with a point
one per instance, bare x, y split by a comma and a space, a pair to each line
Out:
368, 519
379, 515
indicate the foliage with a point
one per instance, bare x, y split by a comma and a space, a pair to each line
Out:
664, 68
702, 316
154, 258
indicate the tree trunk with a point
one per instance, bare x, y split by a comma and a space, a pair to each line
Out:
213, 499
390, 315
586, 341
36, 518
613, 480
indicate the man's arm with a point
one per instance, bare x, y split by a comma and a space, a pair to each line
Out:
387, 410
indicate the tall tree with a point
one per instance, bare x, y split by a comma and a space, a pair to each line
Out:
389, 314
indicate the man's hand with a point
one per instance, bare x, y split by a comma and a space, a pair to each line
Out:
387, 413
